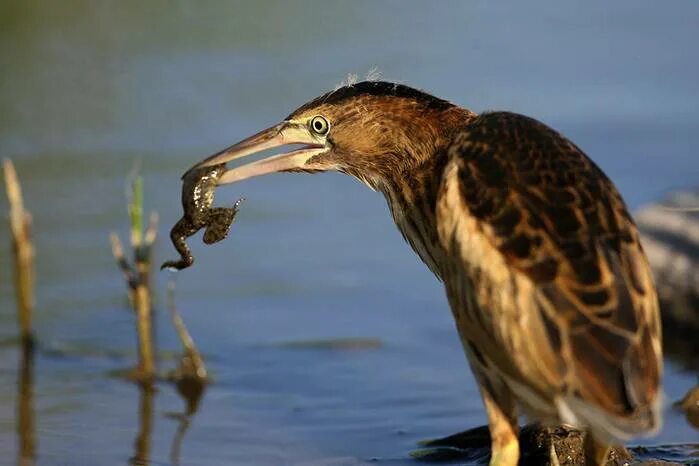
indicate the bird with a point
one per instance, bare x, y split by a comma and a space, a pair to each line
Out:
549, 287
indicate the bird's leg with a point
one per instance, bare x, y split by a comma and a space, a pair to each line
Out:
596, 451
502, 419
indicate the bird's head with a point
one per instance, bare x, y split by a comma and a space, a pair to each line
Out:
370, 130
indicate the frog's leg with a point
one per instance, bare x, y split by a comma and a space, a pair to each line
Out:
182, 230
219, 222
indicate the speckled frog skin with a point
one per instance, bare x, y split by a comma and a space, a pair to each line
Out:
198, 186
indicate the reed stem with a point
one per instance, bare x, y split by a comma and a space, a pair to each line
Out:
23, 253
137, 276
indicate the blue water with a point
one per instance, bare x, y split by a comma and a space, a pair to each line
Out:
87, 90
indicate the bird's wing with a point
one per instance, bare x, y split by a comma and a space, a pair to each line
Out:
557, 220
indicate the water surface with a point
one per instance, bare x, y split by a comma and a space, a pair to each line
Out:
87, 89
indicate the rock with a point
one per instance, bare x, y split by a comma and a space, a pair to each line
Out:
536, 444
670, 238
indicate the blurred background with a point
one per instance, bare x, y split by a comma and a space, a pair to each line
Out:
88, 90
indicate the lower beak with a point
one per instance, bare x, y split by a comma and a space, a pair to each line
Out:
279, 135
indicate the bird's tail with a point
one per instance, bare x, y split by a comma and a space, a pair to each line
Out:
645, 421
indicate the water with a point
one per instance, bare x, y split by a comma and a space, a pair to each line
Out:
89, 89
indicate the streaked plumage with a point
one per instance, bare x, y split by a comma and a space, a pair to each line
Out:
556, 259
547, 281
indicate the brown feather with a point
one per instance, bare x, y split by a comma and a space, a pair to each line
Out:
558, 220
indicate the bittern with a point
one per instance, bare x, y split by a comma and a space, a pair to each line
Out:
546, 278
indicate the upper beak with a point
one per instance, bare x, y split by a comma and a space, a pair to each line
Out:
282, 134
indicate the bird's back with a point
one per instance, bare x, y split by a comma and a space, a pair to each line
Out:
523, 212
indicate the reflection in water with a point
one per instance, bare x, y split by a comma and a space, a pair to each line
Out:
25, 407
190, 377
191, 389
143, 440
177, 440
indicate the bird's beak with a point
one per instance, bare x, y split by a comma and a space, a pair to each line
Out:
287, 132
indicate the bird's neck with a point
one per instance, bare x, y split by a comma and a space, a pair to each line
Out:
412, 182
412, 199
411, 192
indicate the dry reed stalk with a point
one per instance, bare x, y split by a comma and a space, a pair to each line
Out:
23, 253
191, 364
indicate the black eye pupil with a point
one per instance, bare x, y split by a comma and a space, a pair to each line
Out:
319, 125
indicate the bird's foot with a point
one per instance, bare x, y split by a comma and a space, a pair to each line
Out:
505, 455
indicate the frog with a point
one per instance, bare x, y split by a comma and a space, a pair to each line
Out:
198, 187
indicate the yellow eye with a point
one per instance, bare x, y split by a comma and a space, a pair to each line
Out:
319, 125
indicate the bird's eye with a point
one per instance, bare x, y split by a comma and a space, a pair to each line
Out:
319, 125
